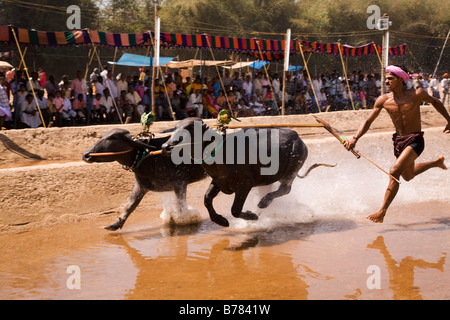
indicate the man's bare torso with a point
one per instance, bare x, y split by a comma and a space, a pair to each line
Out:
404, 111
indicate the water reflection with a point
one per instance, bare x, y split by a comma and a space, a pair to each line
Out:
202, 262
401, 273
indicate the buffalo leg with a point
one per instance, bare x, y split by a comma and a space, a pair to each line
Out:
284, 189
211, 193
133, 201
180, 192
238, 204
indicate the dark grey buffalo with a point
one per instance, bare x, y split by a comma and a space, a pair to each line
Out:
239, 161
152, 172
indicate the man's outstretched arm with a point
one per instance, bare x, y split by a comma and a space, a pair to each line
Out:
438, 105
364, 127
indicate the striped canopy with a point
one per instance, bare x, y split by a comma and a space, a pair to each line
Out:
262, 49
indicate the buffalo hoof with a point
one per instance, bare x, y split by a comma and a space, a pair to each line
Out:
248, 215
264, 203
221, 221
115, 226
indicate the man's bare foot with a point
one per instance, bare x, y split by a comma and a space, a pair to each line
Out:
377, 217
441, 163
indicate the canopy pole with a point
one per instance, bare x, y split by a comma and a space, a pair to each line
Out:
109, 87
270, 83
345, 74
378, 54
115, 55
287, 48
440, 56
91, 57
300, 48
165, 89
22, 58
218, 73
29, 79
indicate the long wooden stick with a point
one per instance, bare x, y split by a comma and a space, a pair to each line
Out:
357, 154
334, 133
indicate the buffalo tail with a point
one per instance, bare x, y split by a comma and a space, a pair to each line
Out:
315, 166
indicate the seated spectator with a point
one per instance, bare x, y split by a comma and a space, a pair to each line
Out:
323, 101
121, 83
33, 83
99, 87
178, 107
58, 103
42, 102
243, 110
51, 109
220, 100
97, 109
270, 102
257, 107
136, 103
5, 109
162, 106
108, 106
67, 90
79, 105
195, 104
50, 86
125, 106
30, 115
19, 99
210, 105
68, 114
231, 100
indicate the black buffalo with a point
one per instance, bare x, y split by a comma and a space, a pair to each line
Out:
231, 163
152, 172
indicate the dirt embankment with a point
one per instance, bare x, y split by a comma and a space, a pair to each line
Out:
44, 181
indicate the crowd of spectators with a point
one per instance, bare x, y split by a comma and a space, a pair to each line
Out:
102, 97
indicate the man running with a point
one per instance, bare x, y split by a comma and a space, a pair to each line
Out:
404, 108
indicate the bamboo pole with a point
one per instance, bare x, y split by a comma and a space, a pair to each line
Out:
28, 76
270, 83
378, 54
277, 125
300, 47
115, 55
165, 88
218, 73
440, 56
345, 74
22, 59
109, 87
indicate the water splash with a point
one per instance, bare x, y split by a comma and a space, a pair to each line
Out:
172, 214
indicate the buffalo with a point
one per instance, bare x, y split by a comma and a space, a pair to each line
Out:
152, 172
238, 161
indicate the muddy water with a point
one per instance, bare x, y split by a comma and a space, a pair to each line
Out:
324, 258
311, 244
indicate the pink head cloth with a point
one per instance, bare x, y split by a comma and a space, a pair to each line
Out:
398, 72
